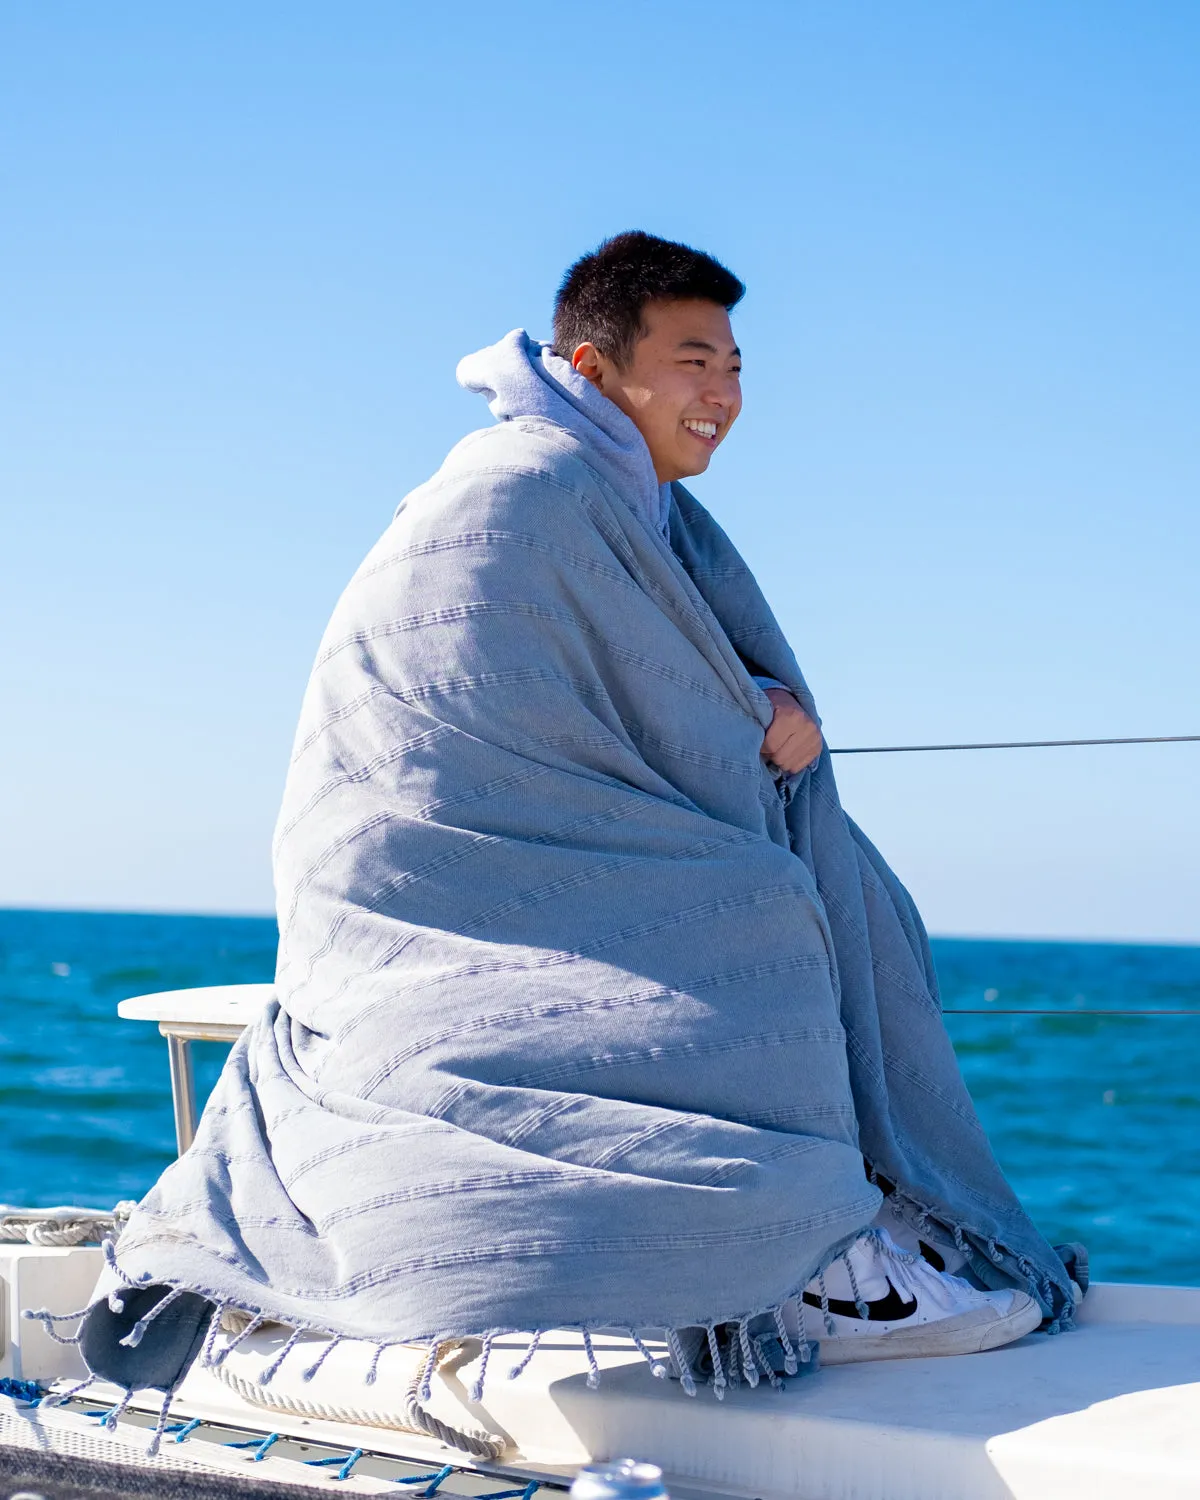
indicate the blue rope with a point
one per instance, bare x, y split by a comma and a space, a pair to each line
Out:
31, 1390
347, 1463
260, 1445
21, 1390
432, 1488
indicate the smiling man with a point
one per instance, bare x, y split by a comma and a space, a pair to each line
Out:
593, 1008
672, 367
646, 322
676, 376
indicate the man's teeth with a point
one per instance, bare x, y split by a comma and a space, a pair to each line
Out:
705, 429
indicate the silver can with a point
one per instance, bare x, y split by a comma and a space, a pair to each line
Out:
619, 1479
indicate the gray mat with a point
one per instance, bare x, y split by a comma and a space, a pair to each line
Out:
56, 1476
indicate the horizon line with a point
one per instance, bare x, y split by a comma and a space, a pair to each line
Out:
267, 916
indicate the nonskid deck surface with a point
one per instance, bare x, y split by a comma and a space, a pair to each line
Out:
1110, 1410
244, 1454
95, 1473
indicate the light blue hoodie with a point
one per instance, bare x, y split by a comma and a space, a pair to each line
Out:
523, 377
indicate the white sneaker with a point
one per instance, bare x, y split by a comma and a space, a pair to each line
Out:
877, 1301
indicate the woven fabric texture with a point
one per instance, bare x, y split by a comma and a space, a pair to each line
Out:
585, 1017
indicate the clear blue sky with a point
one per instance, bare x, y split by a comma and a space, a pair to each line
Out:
244, 246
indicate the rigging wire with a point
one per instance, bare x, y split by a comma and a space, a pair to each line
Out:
993, 1010
1154, 739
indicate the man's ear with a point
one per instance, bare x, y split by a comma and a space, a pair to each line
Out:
591, 364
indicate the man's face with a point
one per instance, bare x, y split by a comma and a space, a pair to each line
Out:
682, 388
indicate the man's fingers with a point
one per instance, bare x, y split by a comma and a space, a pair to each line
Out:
799, 761
792, 730
792, 741
774, 740
784, 729
792, 746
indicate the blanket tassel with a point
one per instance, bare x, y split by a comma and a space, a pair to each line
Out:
718, 1375
789, 1354
681, 1364
593, 1374
657, 1368
749, 1367
523, 1363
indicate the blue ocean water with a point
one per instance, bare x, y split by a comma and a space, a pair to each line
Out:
1096, 1119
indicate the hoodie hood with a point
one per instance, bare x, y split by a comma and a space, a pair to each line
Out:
523, 377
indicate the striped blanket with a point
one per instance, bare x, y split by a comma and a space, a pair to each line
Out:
586, 1018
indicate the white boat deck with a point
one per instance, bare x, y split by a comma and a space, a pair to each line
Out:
1111, 1410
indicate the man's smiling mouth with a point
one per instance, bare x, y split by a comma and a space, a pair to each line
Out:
701, 428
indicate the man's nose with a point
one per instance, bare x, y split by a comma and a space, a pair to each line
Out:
723, 391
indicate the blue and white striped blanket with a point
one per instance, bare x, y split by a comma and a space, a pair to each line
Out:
584, 1017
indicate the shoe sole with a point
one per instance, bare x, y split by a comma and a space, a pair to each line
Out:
969, 1333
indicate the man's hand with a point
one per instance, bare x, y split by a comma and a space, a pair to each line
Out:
793, 740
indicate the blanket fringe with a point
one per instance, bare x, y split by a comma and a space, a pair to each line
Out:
593, 1374
425, 1381
108, 1248
523, 1363
718, 1374
160, 1425
210, 1338
324, 1355
789, 1354
733, 1373
749, 1367
110, 1418
376, 1355
657, 1368
1041, 1288
62, 1397
806, 1345
736, 1353
765, 1365
273, 1368
138, 1332
830, 1327
252, 1326
484, 1356
681, 1364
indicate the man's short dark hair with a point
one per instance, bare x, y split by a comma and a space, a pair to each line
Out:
603, 295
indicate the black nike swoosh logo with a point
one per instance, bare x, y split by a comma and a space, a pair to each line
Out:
929, 1254
887, 1309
